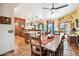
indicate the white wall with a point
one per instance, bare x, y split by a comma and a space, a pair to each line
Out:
6, 39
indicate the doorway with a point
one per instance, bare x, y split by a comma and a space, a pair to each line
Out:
21, 47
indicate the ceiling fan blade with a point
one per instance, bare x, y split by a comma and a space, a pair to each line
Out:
46, 8
52, 12
52, 6
61, 6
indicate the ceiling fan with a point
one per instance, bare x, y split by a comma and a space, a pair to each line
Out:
53, 8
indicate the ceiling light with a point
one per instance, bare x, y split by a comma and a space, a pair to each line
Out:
15, 9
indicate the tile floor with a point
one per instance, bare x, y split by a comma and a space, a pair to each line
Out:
23, 49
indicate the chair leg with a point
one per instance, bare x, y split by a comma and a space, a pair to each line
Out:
52, 53
48, 53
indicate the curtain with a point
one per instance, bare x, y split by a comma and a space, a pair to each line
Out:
52, 28
43, 27
38, 26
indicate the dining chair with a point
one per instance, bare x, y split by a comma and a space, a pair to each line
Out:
36, 47
60, 49
27, 38
77, 41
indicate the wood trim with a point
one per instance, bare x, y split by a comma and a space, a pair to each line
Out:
4, 54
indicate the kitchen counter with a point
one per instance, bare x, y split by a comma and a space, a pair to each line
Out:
77, 33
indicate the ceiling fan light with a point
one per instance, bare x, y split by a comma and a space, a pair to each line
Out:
53, 10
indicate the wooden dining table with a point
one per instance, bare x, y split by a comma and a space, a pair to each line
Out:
52, 44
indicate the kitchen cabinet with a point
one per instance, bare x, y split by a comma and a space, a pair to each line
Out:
19, 26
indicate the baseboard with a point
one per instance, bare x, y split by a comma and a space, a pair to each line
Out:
4, 54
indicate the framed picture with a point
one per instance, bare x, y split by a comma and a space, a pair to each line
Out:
31, 23
27, 24
5, 20
0, 21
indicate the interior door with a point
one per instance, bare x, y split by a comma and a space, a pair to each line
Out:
6, 38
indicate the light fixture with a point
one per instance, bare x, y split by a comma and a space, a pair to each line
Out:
15, 9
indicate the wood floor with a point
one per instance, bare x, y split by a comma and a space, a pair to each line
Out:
23, 49
70, 50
